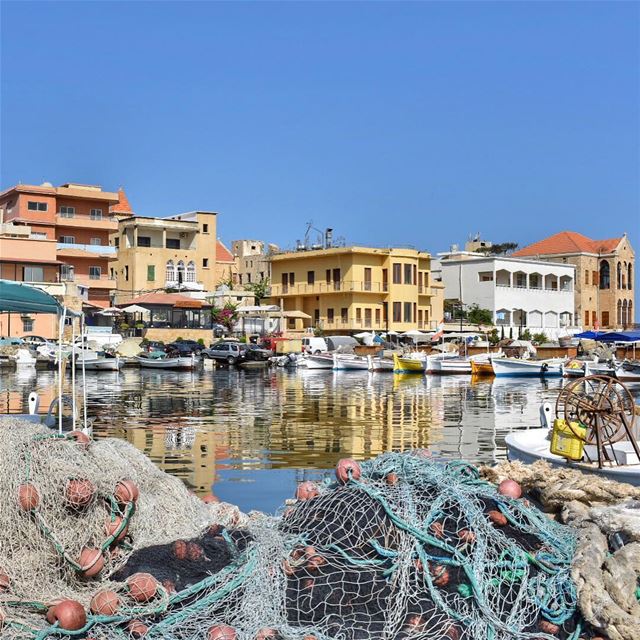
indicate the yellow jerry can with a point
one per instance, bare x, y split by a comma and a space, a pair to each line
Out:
568, 440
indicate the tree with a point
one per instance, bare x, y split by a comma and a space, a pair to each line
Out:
227, 316
227, 281
476, 315
261, 290
498, 249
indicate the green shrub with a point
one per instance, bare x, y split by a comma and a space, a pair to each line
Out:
124, 327
540, 338
179, 339
201, 342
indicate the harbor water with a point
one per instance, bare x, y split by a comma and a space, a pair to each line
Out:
250, 435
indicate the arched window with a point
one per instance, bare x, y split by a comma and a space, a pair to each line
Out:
624, 313
191, 272
605, 275
180, 272
619, 315
619, 276
630, 312
629, 277
170, 272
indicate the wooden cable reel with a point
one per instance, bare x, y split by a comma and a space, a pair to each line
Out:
604, 406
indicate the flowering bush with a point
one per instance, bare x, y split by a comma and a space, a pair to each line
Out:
227, 316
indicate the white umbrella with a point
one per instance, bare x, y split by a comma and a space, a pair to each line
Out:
110, 311
414, 333
135, 308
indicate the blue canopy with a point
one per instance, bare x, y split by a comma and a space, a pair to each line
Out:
610, 336
590, 335
23, 298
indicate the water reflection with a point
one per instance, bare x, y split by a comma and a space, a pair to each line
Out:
242, 430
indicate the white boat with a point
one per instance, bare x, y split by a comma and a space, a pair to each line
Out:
183, 362
349, 362
99, 363
433, 359
445, 366
629, 371
582, 368
516, 367
24, 358
320, 361
377, 363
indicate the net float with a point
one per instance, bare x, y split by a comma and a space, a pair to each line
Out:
137, 629
315, 562
169, 586
391, 478
417, 563
414, 622
288, 568
80, 437
126, 491
28, 497
297, 553
91, 562
310, 551
79, 492
5, 581
548, 627
307, 490
452, 632
497, 517
194, 551
210, 499
111, 527
308, 583
268, 633
221, 632
142, 587
467, 536
215, 530
69, 614
437, 528
440, 575
180, 549
510, 489
348, 469
104, 603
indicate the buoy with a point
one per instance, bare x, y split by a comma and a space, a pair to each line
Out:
497, 517
142, 587
112, 525
510, 489
104, 603
194, 551
437, 528
391, 478
440, 575
210, 499
79, 492
5, 581
315, 562
215, 530
180, 549
69, 614
308, 583
268, 633
414, 622
467, 536
307, 490
288, 568
80, 437
346, 469
126, 491
91, 562
137, 629
548, 627
452, 632
169, 585
28, 497
221, 632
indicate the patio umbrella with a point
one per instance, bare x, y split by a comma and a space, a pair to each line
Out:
135, 308
110, 311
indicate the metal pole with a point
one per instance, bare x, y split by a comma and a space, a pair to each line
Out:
73, 372
60, 368
84, 382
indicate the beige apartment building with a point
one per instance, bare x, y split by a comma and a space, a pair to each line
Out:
605, 270
253, 260
350, 289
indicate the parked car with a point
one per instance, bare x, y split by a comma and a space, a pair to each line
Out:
229, 352
185, 347
256, 352
37, 341
314, 345
154, 345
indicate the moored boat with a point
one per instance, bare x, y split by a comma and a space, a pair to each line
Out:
629, 371
402, 364
181, 362
349, 362
377, 363
516, 367
445, 366
479, 368
99, 363
319, 361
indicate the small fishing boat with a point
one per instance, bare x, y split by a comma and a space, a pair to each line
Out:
319, 361
433, 359
24, 358
181, 362
456, 366
629, 371
349, 362
404, 364
482, 368
582, 368
100, 363
516, 367
377, 363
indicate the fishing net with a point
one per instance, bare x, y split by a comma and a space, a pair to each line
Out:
402, 546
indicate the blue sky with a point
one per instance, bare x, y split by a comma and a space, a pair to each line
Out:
412, 123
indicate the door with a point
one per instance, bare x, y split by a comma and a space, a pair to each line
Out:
367, 279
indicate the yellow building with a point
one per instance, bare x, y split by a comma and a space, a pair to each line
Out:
178, 252
349, 289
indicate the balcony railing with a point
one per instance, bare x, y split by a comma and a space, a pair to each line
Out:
104, 249
358, 286
537, 288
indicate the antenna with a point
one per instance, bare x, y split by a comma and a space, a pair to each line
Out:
319, 237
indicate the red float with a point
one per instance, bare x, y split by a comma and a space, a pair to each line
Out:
80, 437
392, 478
180, 549
91, 562
267, 633
28, 497
548, 627
142, 587
510, 489
79, 492
437, 528
440, 575
467, 536
307, 490
194, 551
210, 499
126, 491
137, 629
112, 525
348, 469
69, 614
497, 517
315, 562
414, 623
221, 632
5, 581
104, 603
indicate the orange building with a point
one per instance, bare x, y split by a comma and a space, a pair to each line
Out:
78, 219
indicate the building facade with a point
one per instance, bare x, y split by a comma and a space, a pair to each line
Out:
605, 271
253, 260
350, 289
78, 220
519, 293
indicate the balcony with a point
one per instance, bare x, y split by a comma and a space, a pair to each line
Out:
93, 282
339, 286
97, 249
87, 222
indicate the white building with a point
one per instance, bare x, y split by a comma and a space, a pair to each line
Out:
520, 293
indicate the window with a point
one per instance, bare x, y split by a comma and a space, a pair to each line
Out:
358, 314
415, 274
95, 273
311, 277
377, 317
483, 276
67, 212
173, 243
407, 274
116, 241
180, 272
316, 316
170, 272
151, 272
344, 315
144, 241
67, 239
292, 279
594, 318
248, 278
38, 235
397, 311
27, 325
66, 272
594, 278
205, 263
367, 317
367, 278
605, 275
33, 274
586, 318
385, 279
126, 273
328, 276
586, 276
191, 271
605, 318
419, 317
205, 228
407, 312
397, 273
330, 315
37, 206
629, 277
96, 214
619, 280
337, 277
97, 242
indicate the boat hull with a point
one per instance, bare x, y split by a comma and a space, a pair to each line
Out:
482, 368
505, 367
408, 365
167, 363
100, 364
319, 362
451, 367
350, 363
380, 364
630, 374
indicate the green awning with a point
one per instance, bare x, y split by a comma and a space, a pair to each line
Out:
23, 298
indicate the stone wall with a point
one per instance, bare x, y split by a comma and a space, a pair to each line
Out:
170, 335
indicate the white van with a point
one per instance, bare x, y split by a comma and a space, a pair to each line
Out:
314, 345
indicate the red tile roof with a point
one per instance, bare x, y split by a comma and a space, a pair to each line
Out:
222, 253
567, 242
167, 299
123, 205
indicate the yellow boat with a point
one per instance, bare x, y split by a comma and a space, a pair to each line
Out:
482, 369
408, 365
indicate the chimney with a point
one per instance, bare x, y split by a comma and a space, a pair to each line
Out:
328, 238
